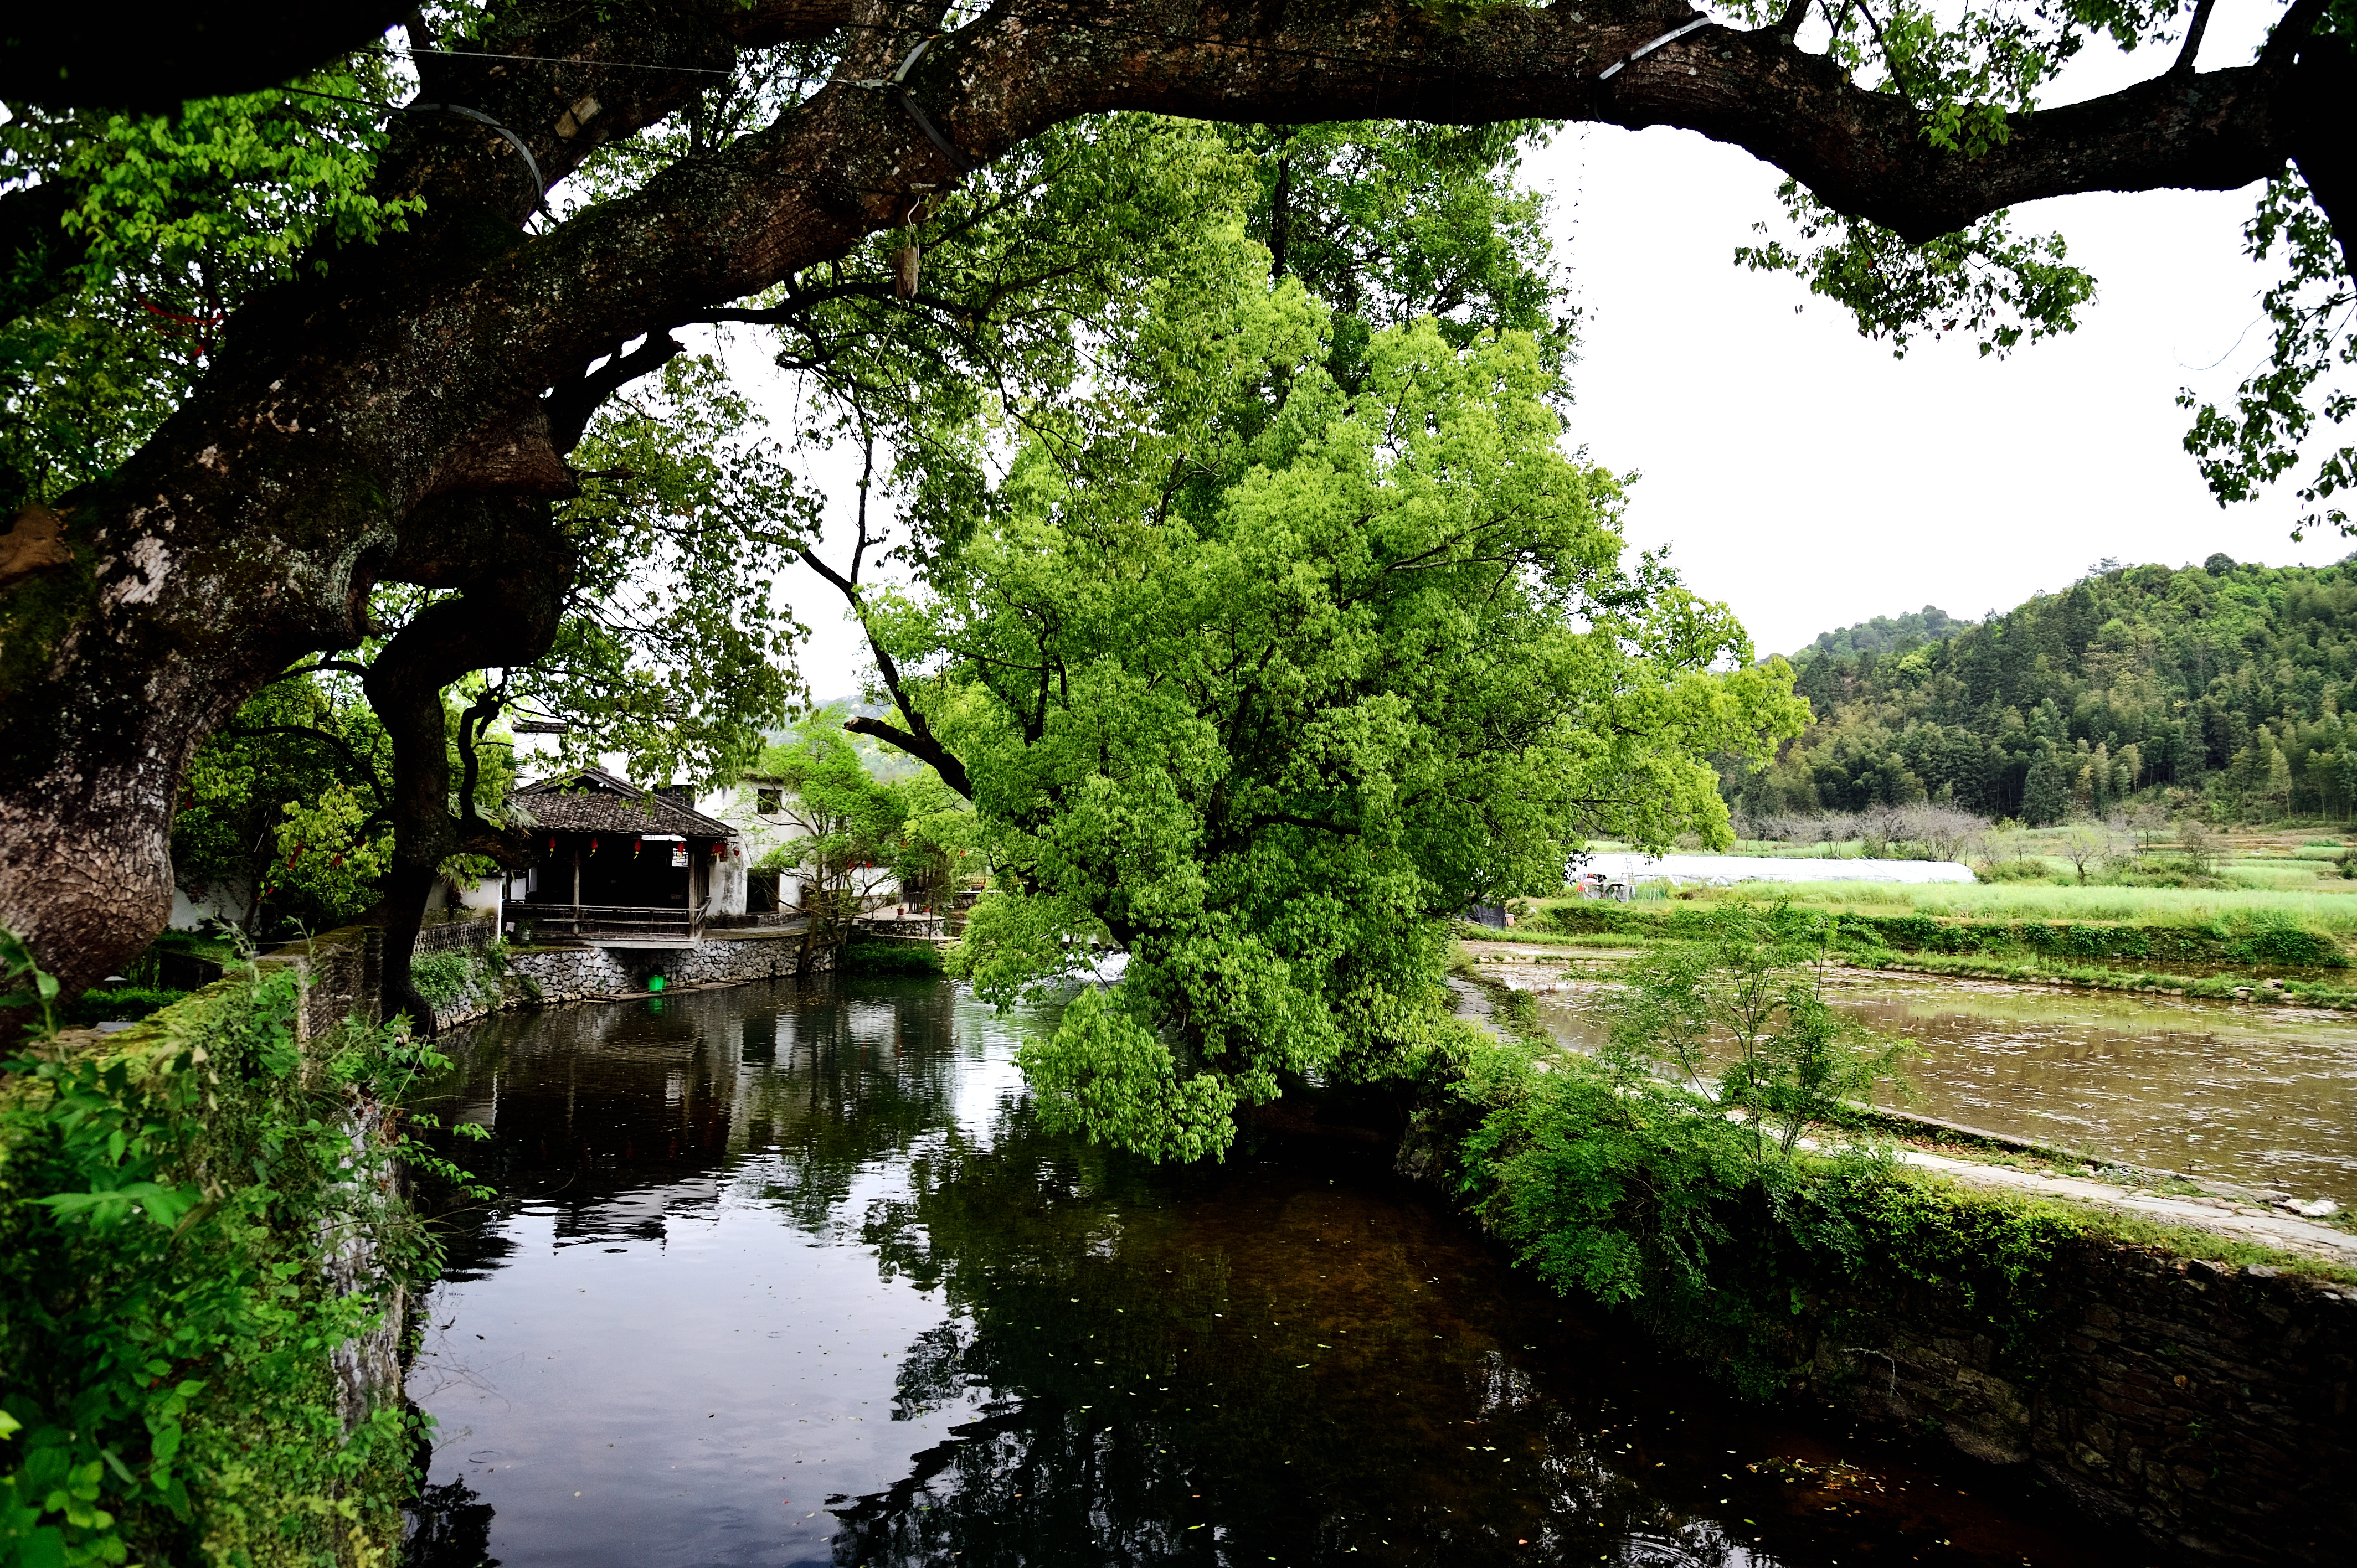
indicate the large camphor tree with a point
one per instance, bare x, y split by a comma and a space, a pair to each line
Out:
400, 406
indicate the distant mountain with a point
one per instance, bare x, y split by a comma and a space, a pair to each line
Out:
2225, 681
1885, 634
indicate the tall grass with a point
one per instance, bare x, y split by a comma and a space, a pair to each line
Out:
2322, 910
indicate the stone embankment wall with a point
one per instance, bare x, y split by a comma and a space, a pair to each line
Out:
343, 972
348, 965
2204, 1405
723, 958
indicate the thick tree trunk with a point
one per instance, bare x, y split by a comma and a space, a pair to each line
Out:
507, 616
325, 452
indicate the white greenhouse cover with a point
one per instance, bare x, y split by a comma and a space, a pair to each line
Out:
1731, 868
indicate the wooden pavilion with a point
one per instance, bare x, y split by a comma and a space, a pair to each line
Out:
618, 865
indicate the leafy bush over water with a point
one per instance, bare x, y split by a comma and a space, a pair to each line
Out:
1695, 1202
1634, 1177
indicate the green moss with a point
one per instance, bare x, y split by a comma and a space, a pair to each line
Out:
107, 1003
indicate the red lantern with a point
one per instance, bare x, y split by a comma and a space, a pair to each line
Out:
593, 847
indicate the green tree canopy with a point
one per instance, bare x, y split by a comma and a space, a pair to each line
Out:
857, 830
1263, 680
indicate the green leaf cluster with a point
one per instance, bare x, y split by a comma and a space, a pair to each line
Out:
283, 809
2278, 409
1964, 71
1986, 281
1391, 221
676, 651
169, 223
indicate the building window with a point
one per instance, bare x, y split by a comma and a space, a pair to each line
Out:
765, 801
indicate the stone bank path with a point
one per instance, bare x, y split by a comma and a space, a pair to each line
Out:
2225, 1214
2247, 1221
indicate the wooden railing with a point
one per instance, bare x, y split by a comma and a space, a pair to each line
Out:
606, 922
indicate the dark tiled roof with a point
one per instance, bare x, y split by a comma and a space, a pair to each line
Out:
594, 801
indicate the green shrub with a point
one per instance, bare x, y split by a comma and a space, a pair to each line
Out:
168, 1202
1648, 1198
443, 978
860, 956
2272, 939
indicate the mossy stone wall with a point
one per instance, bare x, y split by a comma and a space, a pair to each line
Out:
2203, 1405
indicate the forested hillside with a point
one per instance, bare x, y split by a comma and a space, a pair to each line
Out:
1884, 633
2219, 684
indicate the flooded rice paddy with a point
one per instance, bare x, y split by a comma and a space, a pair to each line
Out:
2260, 1096
787, 1274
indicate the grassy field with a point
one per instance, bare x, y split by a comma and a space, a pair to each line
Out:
2280, 874
2308, 902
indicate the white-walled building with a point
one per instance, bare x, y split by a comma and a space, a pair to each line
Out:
761, 811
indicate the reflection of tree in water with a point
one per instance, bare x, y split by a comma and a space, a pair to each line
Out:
1103, 1310
1105, 1314
616, 1117
449, 1526
870, 1077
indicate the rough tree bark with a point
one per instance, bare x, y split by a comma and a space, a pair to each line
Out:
350, 412
511, 568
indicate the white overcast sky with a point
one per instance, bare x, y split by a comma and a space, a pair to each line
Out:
1805, 477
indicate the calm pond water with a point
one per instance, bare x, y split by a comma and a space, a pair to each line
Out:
786, 1274
2262, 1096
